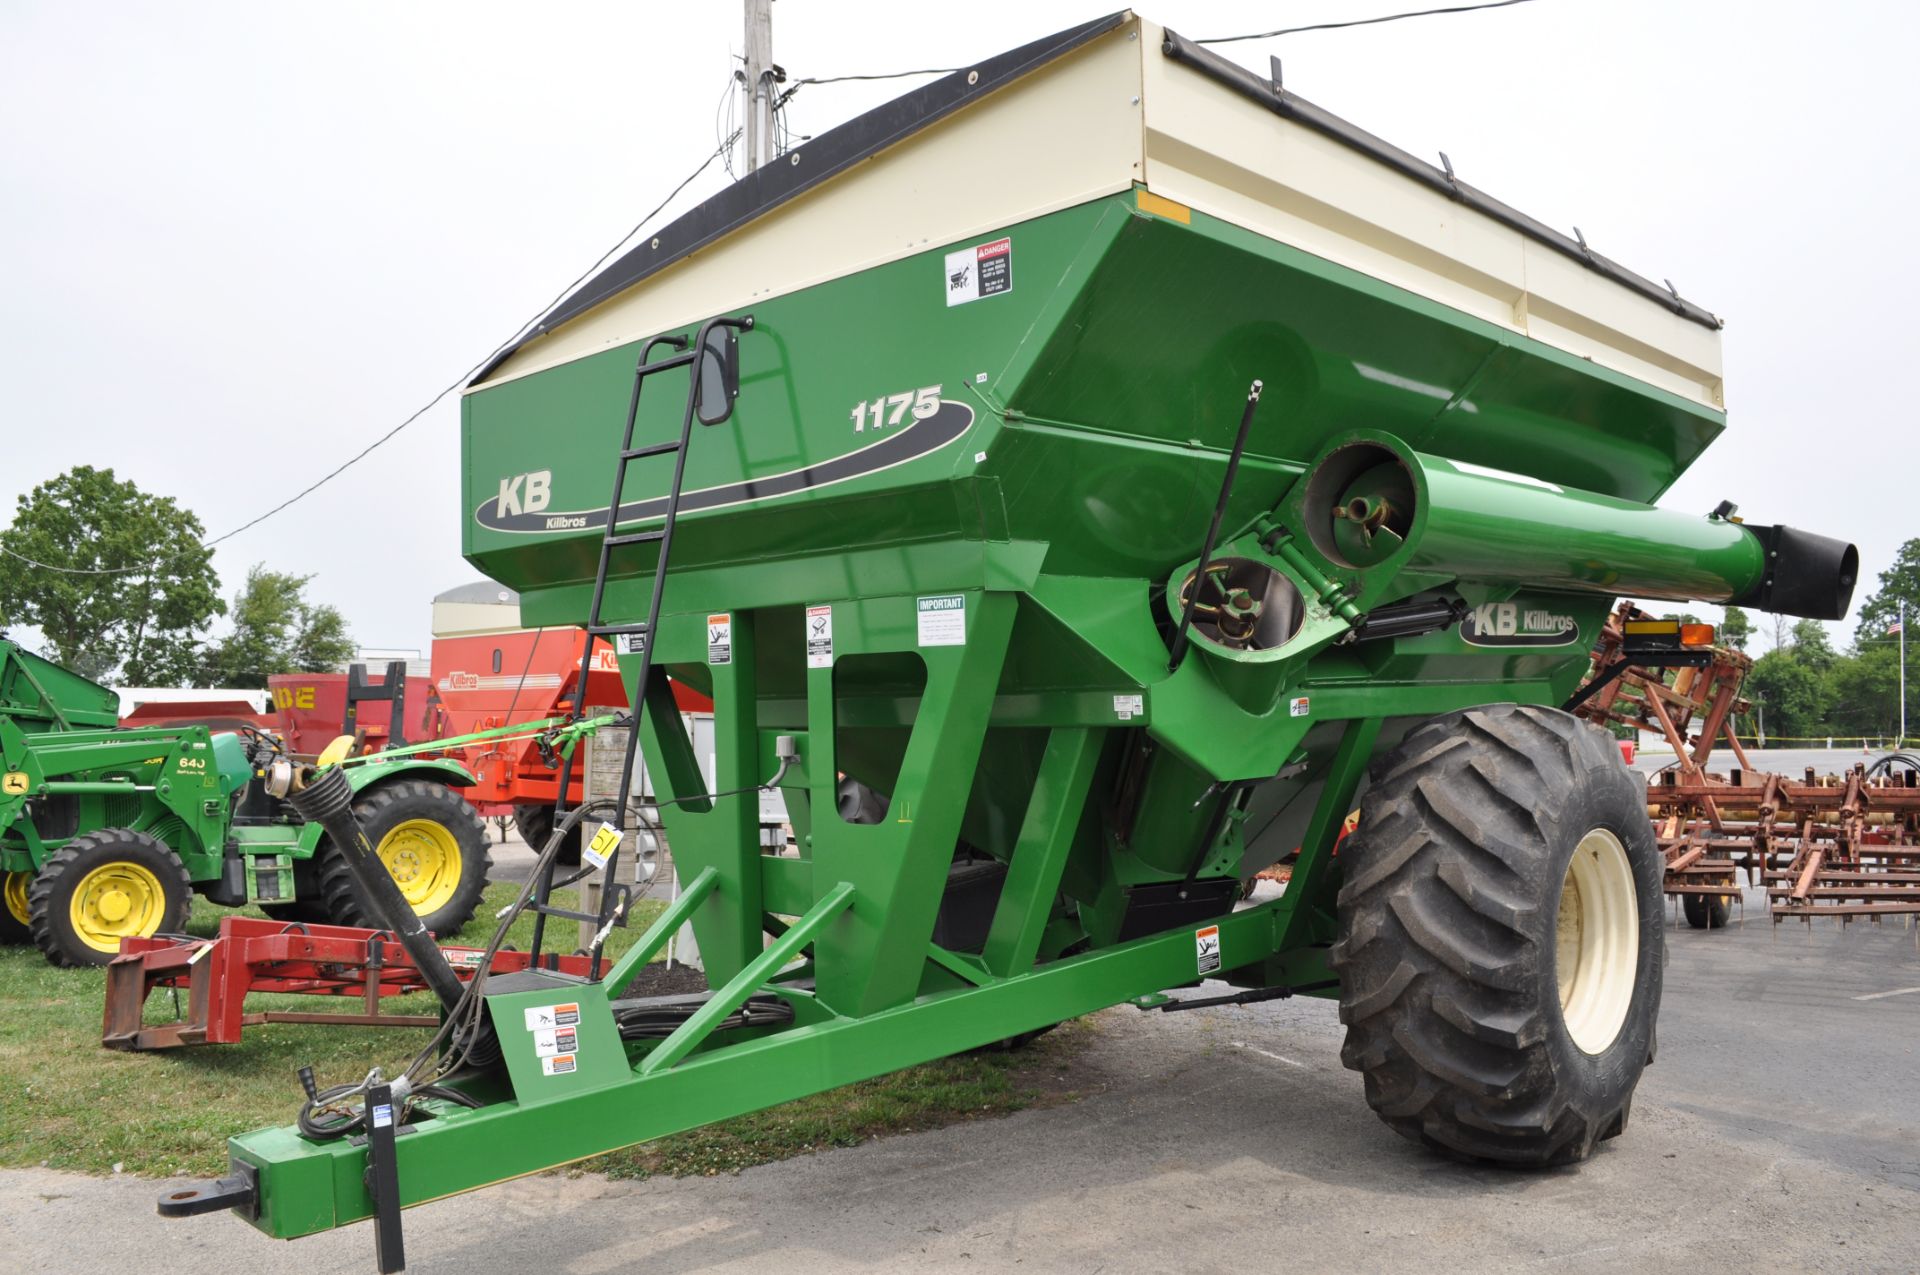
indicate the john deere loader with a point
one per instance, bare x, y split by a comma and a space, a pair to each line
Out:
107, 833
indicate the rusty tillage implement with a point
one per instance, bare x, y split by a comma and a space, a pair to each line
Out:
1843, 846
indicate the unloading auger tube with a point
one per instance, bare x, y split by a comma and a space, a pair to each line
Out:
1371, 504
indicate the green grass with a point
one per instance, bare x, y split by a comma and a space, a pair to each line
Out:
69, 1103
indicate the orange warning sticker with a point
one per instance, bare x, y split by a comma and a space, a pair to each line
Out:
1206, 948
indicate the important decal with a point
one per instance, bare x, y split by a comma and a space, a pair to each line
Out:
1206, 949
547, 1017
985, 270
1509, 624
1128, 707
720, 639
819, 629
942, 620
944, 424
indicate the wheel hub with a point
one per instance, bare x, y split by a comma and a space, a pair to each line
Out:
1597, 941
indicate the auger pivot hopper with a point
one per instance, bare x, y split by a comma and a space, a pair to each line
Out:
1119, 470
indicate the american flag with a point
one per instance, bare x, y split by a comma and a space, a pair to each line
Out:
1897, 627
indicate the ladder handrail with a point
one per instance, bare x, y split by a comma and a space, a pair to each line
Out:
688, 354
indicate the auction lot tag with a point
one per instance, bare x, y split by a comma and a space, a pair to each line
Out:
600, 845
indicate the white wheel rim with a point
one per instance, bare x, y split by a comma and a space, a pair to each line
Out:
1597, 941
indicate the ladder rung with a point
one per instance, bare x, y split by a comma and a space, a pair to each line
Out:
668, 364
656, 449
568, 914
635, 538
611, 630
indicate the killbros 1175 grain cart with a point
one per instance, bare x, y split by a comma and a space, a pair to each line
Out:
1124, 469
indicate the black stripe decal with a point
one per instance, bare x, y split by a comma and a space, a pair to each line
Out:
922, 438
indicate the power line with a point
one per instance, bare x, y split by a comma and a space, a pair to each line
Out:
428, 406
1361, 22
889, 75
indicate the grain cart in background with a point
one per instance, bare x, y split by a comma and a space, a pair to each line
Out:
1122, 468
106, 833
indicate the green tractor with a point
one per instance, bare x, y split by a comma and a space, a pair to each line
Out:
107, 833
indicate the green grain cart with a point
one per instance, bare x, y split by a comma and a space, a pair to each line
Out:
107, 833
1122, 470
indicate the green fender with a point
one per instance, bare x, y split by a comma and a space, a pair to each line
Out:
370, 775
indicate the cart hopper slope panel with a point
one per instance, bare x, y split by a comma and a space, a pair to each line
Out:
1183, 243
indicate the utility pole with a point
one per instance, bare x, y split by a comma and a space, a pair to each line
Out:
758, 85
1903, 674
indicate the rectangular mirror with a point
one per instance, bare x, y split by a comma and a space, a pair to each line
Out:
719, 377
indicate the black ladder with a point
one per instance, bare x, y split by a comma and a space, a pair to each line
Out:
688, 355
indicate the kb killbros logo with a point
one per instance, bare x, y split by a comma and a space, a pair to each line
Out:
1511, 624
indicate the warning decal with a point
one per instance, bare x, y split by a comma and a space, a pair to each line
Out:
943, 620
720, 639
819, 637
1298, 706
985, 270
559, 1064
561, 1040
547, 1017
1206, 948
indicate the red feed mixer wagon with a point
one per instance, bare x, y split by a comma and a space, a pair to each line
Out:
479, 681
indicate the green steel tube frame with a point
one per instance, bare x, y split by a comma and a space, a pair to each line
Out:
883, 996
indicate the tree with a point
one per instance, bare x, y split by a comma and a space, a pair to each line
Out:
1793, 693
1863, 693
148, 588
276, 630
1736, 629
1898, 583
1811, 645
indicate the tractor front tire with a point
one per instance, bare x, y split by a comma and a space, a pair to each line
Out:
102, 887
1706, 911
432, 843
1500, 937
535, 823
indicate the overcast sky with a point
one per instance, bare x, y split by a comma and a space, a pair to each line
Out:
240, 241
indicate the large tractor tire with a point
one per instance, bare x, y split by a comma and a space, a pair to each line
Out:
535, 823
16, 921
1706, 911
433, 844
1501, 930
102, 887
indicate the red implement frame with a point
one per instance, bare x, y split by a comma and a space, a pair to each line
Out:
251, 955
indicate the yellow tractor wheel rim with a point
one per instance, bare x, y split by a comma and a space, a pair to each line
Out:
423, 857
116, 901
16, 894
